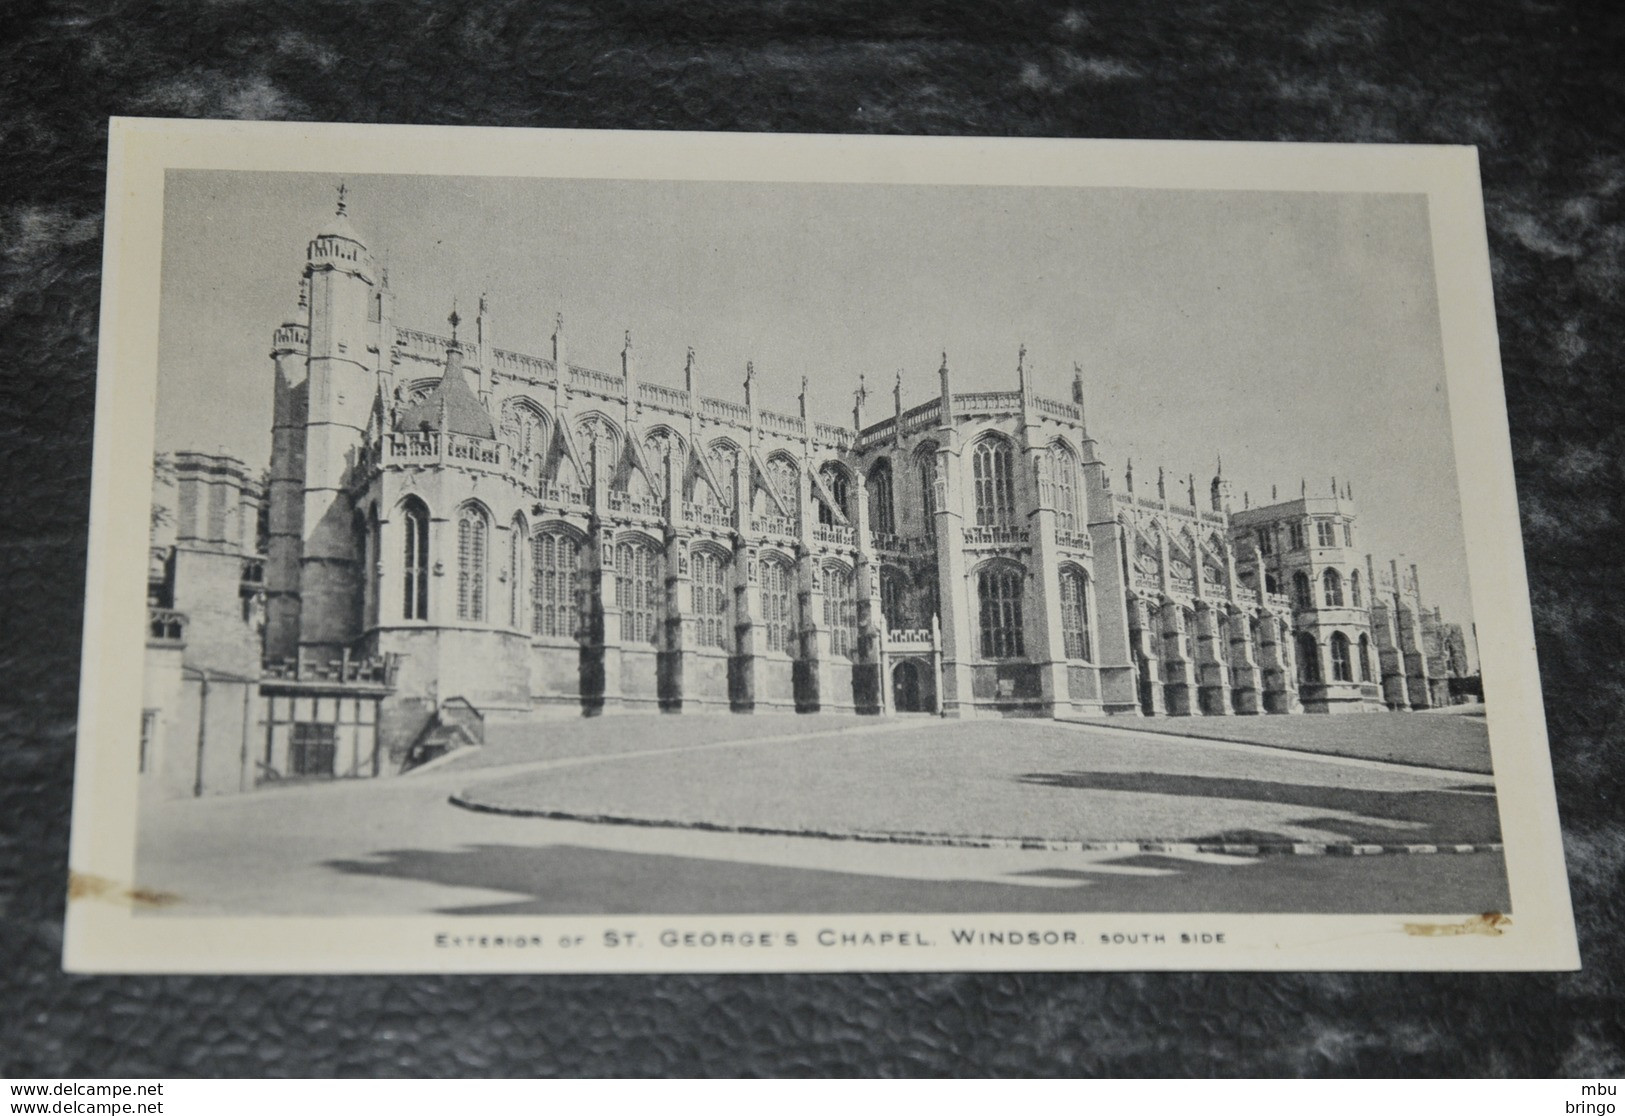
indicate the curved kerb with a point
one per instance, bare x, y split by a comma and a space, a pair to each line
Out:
950, 840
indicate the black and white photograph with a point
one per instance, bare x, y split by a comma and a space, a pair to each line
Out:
804, 554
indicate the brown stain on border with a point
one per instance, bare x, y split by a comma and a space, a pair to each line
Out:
1490, 923
82, 885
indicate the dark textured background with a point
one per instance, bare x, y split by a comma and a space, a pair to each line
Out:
1537, 86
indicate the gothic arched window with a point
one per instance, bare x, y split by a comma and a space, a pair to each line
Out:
1342, 670
1365, 658
1308, 658
993, 470
711, 598
1066, 488
555, 595
927, 457
1075, 614
840, 617
471, 537
787, 479
516, 574
780, 605
999, 597
1354, 589
839, 488
882, 519
724, 465
1301, 595
894, 598
415, 520
1332, 582
638, 590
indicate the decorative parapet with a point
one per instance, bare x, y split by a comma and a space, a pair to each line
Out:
709, 515
791, 426
909, 639
560, 496
599, 383
996, 536
834, 535
1073, 540
166, 627
290, 336
720, 410
369, 673
408, 447
773, 525
923, 417
1070, 412
626, 503
1280, 602
669, 399
838, 436
522, 366
418, 345
987, 402
480, 450
1147, 582
888, 544
1184, 586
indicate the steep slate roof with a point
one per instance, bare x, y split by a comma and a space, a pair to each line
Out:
455, 400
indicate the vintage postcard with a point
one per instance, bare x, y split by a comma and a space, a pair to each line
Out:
612, 551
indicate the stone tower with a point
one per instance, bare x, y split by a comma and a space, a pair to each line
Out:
339, 392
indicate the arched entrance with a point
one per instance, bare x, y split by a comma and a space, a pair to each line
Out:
905, 682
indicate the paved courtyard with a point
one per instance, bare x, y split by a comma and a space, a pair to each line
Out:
399, 846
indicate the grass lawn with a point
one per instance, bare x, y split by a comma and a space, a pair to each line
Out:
999, 779
1459, 742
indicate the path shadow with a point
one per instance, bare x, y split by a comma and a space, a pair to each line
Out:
572, 879
1450, 815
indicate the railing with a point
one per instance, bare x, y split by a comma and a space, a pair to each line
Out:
837, 436
559, 495
987, 401
1072, 540
421, 444
368, 672
522, 366
723, 411
1068, 411
590, 379
834, 534
672, 399
291, 337
708, 515
482, 450
422, 346
326, 249
788, 425
879, 429
772, 525
995, 536
922, 417
165, 625
908, 635
417, 445
624, 502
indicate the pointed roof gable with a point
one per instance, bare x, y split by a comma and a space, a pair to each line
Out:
451, 406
